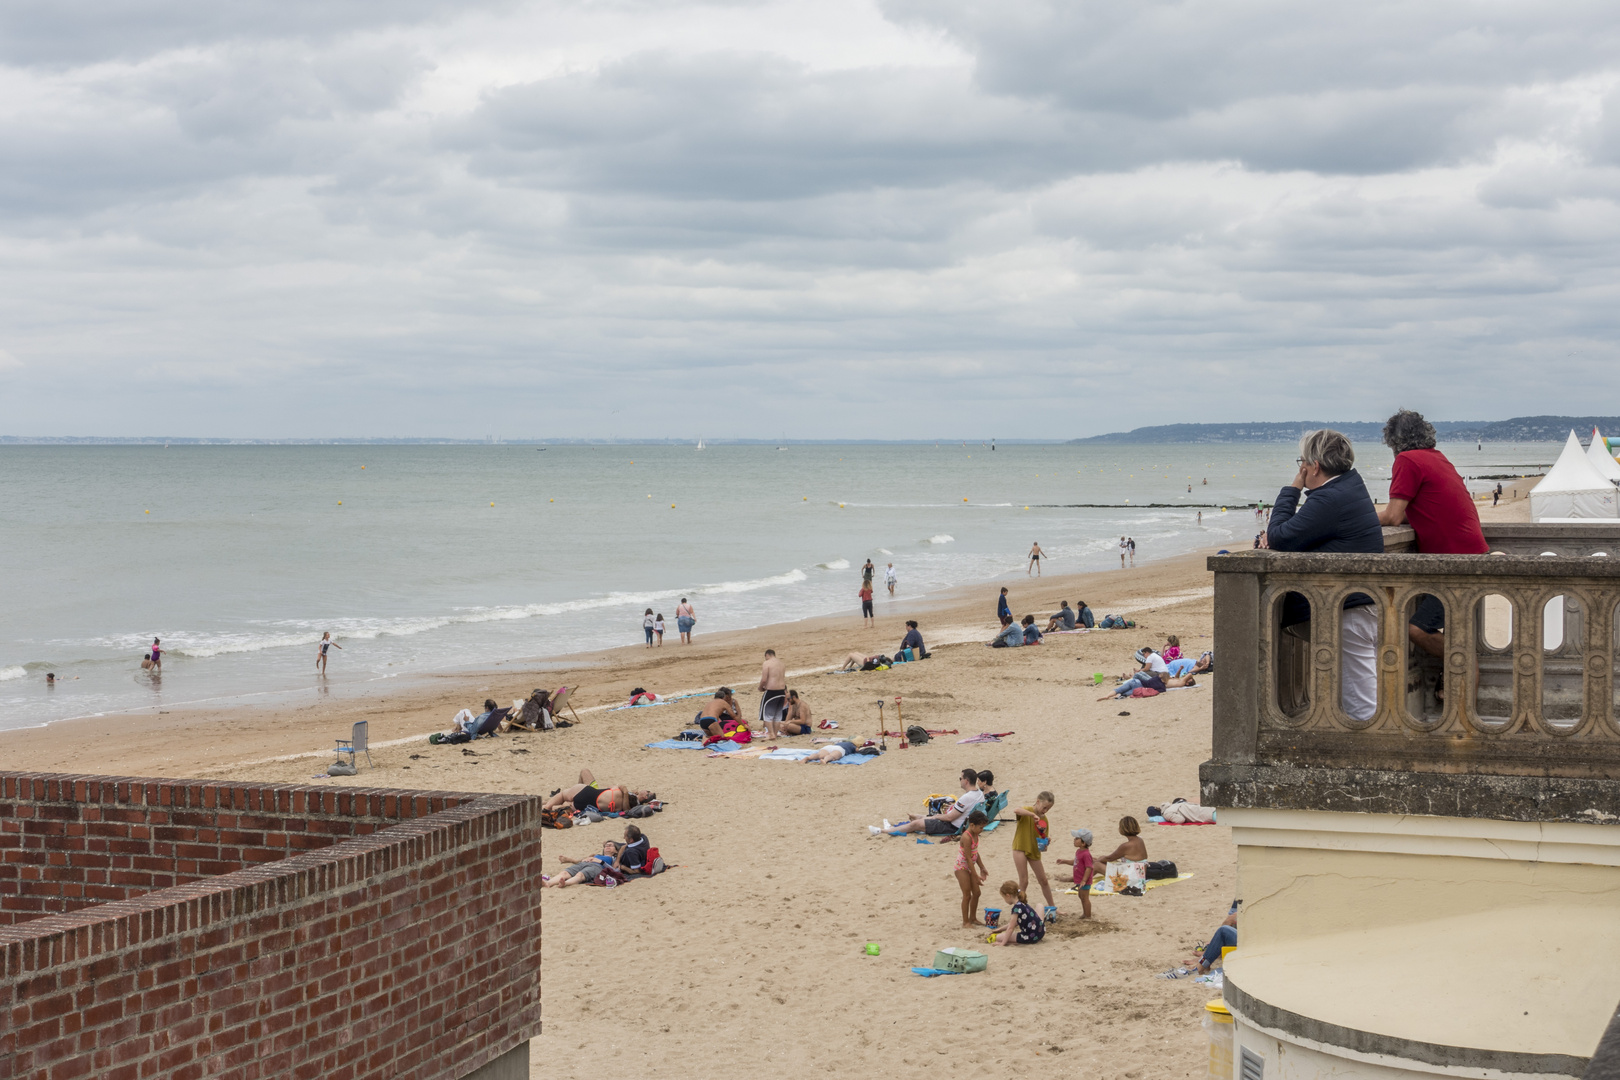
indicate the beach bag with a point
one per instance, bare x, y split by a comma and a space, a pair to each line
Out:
937, 804
1124, 876
962, 960
917, 735
1159, 869
555, 818
1144, 691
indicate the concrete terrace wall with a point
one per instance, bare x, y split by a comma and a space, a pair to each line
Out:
356, 933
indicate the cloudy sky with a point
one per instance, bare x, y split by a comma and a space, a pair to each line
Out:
839, 218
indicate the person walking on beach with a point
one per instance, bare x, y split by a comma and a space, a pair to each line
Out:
1122, 549
647, 621
658, 630
1003, 609
867, 618
684, 618
1496, 496
1130, 544
320, 655
773, 702
889, 578
1034, 559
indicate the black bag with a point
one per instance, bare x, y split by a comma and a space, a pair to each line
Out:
1159, 869
917, 735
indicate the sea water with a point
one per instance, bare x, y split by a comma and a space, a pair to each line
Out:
424, 559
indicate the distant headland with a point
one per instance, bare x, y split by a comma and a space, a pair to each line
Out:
1518, 429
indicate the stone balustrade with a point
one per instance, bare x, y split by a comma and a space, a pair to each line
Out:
1516, 719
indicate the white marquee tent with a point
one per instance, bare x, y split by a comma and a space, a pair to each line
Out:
1574, 488
1598, 453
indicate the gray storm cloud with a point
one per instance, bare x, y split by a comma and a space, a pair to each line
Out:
826, 221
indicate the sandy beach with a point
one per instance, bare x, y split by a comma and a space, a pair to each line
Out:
747, 958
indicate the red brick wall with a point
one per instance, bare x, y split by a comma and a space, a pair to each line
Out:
408, 947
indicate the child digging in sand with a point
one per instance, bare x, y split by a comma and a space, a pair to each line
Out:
1082, 863
967, 856
1030, 926
1028, 839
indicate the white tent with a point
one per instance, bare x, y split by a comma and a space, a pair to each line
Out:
1598, 454
1574, 488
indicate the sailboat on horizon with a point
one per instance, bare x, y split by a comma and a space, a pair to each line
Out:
700, 444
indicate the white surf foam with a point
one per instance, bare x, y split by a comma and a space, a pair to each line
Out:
940, 538
836, 564
12, 673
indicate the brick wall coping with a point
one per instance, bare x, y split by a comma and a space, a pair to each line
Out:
431, 823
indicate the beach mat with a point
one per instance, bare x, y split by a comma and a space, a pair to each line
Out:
689, 744
797, 755
655, 704
1145, 887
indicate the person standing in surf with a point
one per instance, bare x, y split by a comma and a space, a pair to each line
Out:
684, 618
320, 656
1035, 554
867, 572
157, 657
889, 578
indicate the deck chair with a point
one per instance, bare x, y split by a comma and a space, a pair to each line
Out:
491, 724
559, 702
993, 809
356, 743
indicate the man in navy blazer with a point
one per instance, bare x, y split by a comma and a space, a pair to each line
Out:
1338, 516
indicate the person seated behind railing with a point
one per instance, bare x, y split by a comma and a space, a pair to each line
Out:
1338, 516
1426, 493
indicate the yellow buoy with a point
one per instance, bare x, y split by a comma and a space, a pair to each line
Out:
149, 511
362, 468
840, 505
551, 500
964, 498
492, 504
672, 506
1026, 508
340, 502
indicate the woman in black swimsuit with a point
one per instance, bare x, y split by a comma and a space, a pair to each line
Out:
589, 795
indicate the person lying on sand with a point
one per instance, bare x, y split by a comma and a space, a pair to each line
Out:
855, 661
1148, 682
946, 823
583, 871
588, 794
1132, 849
836, 749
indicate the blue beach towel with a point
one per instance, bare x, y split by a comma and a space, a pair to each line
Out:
786, 754
692, 744
929, 973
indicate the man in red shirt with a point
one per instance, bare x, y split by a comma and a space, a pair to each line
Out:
1426, 493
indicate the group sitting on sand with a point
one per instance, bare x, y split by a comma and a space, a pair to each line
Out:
617, 863
1157, 674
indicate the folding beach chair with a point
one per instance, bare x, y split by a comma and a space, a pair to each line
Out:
559, 702
356, 743
491, 724
993, 809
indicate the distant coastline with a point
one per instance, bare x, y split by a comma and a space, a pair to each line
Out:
1519, 429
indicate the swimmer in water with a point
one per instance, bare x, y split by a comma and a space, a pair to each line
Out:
320, 657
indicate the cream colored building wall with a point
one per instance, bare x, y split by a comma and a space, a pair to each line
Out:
1440, 932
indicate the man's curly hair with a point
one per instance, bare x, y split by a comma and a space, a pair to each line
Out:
1407, 430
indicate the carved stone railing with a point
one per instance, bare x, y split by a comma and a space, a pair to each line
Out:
1524, 688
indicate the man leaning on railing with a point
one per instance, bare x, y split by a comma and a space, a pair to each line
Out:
1338, 516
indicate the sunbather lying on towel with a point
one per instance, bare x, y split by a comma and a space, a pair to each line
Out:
856, 661
585, 871
836, 749
588, 794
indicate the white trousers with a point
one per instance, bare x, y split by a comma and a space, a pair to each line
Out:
1358, 662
